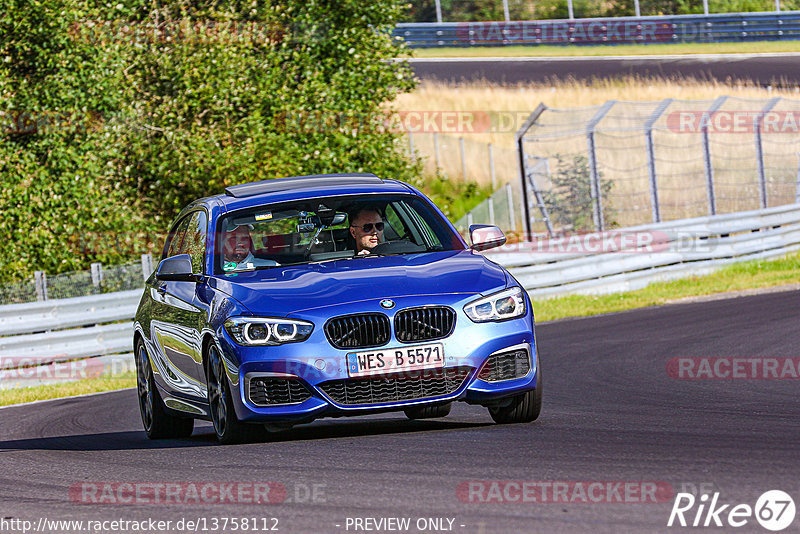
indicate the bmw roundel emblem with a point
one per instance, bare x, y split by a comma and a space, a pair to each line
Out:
387, 303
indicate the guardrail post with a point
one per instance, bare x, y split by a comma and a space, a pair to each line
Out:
439, 11
463, 158
97, 274
762, 175
512, 219
147, 265
651, 157
411, 143
491, 167
469, 219
709, 169
40, 281
594, 176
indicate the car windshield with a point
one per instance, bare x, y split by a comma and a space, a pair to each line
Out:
326, 229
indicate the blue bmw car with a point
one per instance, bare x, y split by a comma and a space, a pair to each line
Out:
286, 300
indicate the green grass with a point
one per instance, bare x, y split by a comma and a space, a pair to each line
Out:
68, 389
738, 277
742, 276
609, 50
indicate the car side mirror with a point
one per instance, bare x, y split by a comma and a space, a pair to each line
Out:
484, 236
177, 269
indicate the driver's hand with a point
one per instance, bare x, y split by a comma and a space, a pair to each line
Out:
363, 252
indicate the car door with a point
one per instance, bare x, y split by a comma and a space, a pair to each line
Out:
180, 313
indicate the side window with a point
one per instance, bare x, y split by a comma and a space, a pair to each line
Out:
194, 244
175, 238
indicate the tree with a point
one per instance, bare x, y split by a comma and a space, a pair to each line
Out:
170, 100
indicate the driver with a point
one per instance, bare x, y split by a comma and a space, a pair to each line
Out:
237, 249
366, 227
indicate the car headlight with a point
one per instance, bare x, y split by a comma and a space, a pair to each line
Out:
258, 331
507, 304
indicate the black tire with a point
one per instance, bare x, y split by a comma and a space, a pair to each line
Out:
428, 412
227, 426
158, 424
523, 408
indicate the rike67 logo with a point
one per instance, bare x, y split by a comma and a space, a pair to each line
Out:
774, 510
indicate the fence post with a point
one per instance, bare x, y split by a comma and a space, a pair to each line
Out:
491, 209
436, 150
40, 281
97, 274
762, 175
439, 11
651, 157
709, 169
491, 167
512, 219
469, 219
147, 266
797, 189
597, 197
519, 138
508, 16
463, 158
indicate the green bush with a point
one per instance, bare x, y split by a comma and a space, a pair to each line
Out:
135, 108
569, 202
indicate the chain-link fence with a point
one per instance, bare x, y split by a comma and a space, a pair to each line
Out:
100, 279
621, 164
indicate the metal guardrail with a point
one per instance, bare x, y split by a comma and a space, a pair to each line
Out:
717, 28
38, 336
66, 313
649, 253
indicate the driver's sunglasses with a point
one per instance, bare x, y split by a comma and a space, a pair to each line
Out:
367, 228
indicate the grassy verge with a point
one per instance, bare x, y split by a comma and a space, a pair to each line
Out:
747, 275
609, 50
68, 389
742, 276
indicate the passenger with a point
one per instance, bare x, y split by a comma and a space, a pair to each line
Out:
237, 248
366, 227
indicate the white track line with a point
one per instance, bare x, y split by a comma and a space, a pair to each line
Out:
698, 57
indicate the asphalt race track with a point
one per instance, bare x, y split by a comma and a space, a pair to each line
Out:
763, 69
611, 414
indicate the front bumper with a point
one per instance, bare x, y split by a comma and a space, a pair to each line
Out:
316, 366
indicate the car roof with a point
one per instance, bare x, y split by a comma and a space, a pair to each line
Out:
303, 187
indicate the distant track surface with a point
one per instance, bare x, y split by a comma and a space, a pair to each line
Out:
780, 69
611, 413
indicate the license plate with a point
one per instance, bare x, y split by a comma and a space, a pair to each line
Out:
382, 361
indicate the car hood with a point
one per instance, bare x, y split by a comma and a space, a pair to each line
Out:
281, 291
